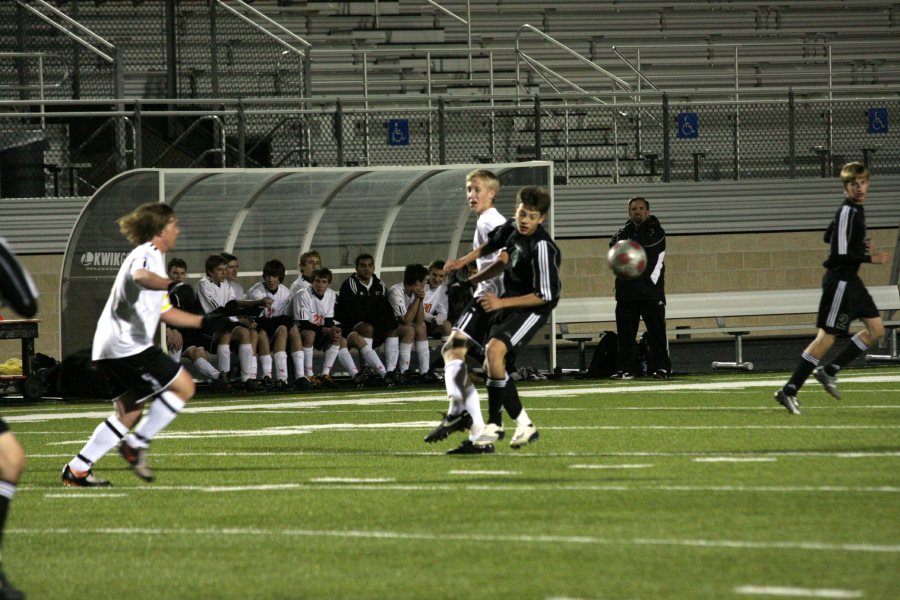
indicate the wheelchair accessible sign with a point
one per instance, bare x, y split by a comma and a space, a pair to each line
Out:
878, 120
398, 132
688, 126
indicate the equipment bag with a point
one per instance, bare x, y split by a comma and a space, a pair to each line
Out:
603, 363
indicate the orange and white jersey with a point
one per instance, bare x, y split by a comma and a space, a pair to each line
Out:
316, 310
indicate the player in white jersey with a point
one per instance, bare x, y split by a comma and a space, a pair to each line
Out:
437, 302
407, 300
319, 329
274, 323
469, 330
125, 349
217, 297
309, 262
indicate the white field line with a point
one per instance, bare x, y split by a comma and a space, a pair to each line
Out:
462, 537
84, 495
474, 472
717, 459
626, 466
502, 487
775, 453
354, 427
543, 392
353, 480
796, 592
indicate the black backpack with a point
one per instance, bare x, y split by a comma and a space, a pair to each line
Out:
603, 363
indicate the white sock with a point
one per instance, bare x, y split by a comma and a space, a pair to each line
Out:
265, 362
297, 360
473, 407
206, 368
405, 355
423, 352
331, 354
248, 362
523, 419
391, 353
455, 376
280, 359
163, 411
347, 361
224, 358
308, 362
371, 358
105, 437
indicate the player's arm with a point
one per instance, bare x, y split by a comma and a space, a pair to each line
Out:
492, 270
149, 280
182, 319
457, 264
491, 302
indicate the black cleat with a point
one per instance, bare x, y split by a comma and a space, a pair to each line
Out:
467, 447
72, 478
137, 460
449, 424
789, 402
7, 591
362, 378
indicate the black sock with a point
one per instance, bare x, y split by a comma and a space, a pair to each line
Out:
7, 490
495, 403
801, 374
854, 348
511, 399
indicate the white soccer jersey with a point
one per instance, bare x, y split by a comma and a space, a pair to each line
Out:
238, 290
299, 285
399, 299
130, 319
487, 222
437, 304
315, 309
281, 299
213, 295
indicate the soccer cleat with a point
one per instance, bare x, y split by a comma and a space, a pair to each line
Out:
467, 447
660, 374
302, 384
495, 430
362, 378
327, 381
394, 378
314, 382
251, 385
449, 424
622, 375
829, 382
221, 385
281, 385
72, 478
525, 434
137, 460
7, 591
789, 402
429, 378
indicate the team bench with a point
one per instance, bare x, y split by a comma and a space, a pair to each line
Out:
721, 306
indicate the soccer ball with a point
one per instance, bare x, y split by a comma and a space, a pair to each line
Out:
627, 259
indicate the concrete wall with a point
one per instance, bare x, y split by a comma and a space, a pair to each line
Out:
694, 263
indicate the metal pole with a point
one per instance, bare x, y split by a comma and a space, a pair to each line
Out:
339, 132
666, 174
214, 49
736, 151
442, 132
138, 137
792, 136
537, 128
469, 36
242, 135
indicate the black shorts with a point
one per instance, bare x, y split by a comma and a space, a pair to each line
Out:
474, 323
145, 374
843, 300
515, 326
271, 324
324, 337
3, 426
194, 337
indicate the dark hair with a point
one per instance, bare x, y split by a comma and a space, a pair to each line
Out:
213, 261
639, 199
436, 264
176, 262
534, 197
229, 257
274, 268
323, 273
363, 256
414, 274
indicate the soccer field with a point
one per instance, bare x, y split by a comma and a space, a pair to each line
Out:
699, 487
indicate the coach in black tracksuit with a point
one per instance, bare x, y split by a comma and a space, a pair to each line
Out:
644, 297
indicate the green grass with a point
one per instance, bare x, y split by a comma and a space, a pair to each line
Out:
693, 488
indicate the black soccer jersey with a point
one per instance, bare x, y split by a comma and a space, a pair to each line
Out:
847, 237
533, 265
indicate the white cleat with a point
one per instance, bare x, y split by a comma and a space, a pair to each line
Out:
525, 434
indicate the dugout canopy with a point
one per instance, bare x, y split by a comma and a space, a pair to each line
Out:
400, 215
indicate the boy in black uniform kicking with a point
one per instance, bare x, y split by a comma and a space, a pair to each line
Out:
844, 295
529, 260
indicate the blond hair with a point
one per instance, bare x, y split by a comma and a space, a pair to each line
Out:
146, 222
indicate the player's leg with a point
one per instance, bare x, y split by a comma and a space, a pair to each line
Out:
405, 335
627, 319
654, 315
279, 357
456, 381
809, 360
12, 463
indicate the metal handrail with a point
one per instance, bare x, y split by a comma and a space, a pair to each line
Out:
71, 34
214, 118
618, 81
275, 24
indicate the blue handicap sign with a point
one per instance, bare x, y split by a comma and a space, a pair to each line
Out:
878, 120
398, 132
688, 126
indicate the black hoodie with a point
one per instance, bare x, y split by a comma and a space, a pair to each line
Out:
651, 285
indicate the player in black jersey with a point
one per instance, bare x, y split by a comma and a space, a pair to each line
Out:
844, 295
529, 260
